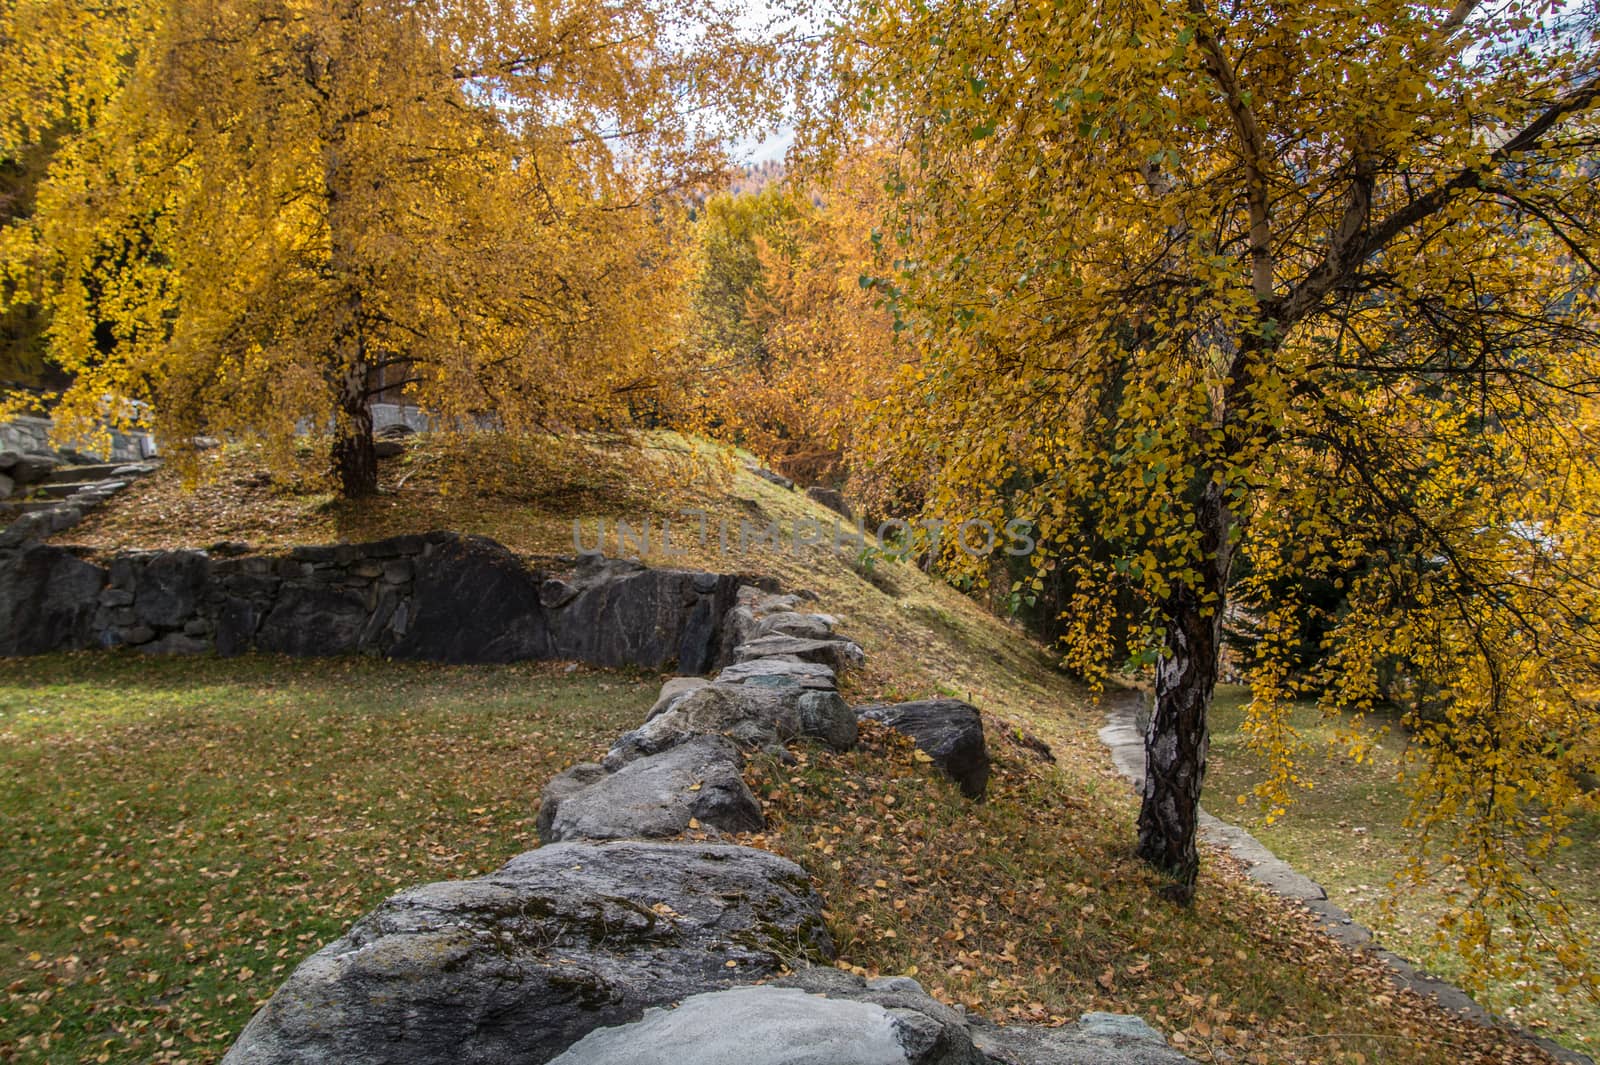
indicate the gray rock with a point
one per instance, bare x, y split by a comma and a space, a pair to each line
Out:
237, 622
929, 1030
948, 731
9, 460
64, 517
831, 498
388, 449
738, 626
837, 653
32, 468
474, 602
764, 1026
780, 668
827, 717
25, 529
167, 588
674, 689
761, 602
655, 797
48, 599
617, 612
439, 597
7, 486
1097, 1039
308, 620
517, 966
136, 635
751, 715
775, 478
712, 710
791, 623
569, 782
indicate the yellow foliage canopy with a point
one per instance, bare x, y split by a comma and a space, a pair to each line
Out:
266, 211
1225, 299
794, 344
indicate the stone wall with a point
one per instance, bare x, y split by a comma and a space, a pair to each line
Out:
436, 597
640, 900
27, 434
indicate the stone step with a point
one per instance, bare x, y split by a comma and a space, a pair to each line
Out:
78, 475
12, 507
59, 489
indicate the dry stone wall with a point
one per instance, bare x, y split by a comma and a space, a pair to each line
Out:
438, 597
574, 951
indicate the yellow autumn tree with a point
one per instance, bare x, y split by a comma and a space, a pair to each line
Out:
792, 344
1258, 290
264, 212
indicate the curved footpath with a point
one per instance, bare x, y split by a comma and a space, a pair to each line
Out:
1122, 736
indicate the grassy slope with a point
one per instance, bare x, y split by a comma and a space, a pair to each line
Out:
1347, 828
1029, 905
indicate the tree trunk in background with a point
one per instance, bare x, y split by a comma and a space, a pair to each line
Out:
355, 460
1175, 744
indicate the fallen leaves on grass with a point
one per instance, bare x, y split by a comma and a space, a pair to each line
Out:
181, 834
1030, 907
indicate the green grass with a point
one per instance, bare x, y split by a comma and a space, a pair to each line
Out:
262, 805
1347, 833
175, 835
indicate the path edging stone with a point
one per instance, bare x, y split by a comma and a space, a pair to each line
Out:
1123, 738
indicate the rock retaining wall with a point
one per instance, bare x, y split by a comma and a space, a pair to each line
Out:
437, 597
568, 952
33, 434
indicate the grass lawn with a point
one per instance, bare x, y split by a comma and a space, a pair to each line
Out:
1347, 833
176, 834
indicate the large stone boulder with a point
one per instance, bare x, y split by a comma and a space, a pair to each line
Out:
948, 731
839, 654
167, 586
514, 967
33, 467
738, 626
825, 1017
751, 715
615, 612
310, 620
48, 600
780, 670
674, 689
474, 601
791, 623
751, 606
766, 1026
696, 782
